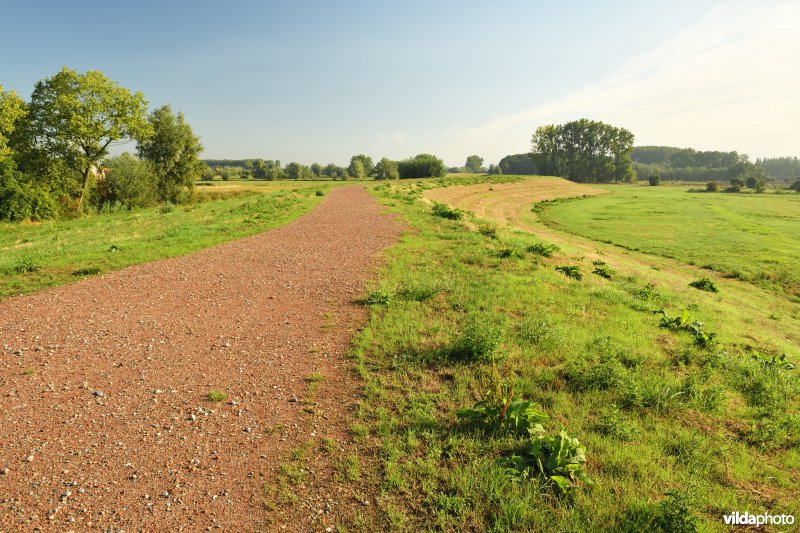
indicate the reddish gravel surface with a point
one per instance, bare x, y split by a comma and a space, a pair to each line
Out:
104, 416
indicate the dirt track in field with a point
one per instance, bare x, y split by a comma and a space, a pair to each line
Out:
104, 416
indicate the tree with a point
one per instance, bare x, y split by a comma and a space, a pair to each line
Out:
584, 151
366, 162
495, 170
12, 108
316, 168
421, 166
474, 164
356, 169
173, 150
77, 117
386, 169
518, 164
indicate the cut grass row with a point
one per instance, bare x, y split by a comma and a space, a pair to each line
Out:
676, 434
40, 255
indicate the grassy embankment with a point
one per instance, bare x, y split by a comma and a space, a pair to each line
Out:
34, 256
679, 426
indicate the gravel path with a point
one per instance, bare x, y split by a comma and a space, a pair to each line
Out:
104, 415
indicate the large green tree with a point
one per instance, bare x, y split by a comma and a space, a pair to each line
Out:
474, 163
366, 162
76, 118
173, 150
584, 151
12, 108
386, 169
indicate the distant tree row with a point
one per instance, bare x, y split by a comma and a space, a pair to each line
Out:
585, 151
684, 157
686, 164
361, 166
54, 149
782, 168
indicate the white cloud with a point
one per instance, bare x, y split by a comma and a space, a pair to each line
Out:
731, 82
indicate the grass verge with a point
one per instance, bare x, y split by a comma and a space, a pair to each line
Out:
515, 398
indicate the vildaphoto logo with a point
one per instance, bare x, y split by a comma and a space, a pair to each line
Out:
747, 519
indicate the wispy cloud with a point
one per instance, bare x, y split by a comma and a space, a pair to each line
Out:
730, 81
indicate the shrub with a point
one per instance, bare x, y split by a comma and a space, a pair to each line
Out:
570, 271
130, 182
377, 298
542, 248
88, 271
712, 186
444, 211
421, 166
488, 230
510, 415
612, 424
604, 272
319, 193
654, 180
508, 252
26, 264
685, 323
674, 514
480, 337
20, 201
795, 186
167, 208
704, 284
558, 458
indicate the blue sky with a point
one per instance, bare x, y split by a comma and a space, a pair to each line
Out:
320, 81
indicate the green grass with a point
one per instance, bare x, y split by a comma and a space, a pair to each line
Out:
753, 237
35, 256
217, 396
676, 435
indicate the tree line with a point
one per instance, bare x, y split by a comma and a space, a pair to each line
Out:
686, 164
54, 149
361, 167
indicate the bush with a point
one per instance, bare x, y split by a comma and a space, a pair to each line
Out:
480, 337
444, 211
130, 182
421, 166
488, 230
570, 271
654, 180
795, 186
510, 415
559, 458
542, 248
21, 201
704, 284
712, 186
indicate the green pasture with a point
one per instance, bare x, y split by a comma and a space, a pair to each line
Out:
753, 237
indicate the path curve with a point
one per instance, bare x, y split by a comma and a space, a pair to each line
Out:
104, 420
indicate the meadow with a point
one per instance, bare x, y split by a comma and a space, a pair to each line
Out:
46, 254
536, 380
753, 237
